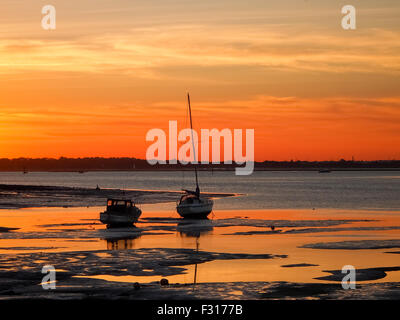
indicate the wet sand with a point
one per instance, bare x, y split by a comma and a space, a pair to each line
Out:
236, 254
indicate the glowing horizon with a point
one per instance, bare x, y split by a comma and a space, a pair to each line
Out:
111, 72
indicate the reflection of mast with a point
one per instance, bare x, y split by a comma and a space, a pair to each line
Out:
195, 266
194, 229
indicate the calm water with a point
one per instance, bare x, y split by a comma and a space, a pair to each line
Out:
263, 190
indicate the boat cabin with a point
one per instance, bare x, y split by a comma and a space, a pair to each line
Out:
119, 204
189, 199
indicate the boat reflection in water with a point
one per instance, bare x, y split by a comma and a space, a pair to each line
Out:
194, 229
125, 241
120, 244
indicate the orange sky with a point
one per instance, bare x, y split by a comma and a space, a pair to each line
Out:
113, 71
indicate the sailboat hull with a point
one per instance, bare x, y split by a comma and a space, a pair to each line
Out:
195, 210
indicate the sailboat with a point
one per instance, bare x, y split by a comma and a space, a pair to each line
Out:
191, 205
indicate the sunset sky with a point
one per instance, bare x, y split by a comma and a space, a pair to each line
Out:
112, 70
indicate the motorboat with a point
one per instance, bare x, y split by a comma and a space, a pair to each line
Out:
120, 213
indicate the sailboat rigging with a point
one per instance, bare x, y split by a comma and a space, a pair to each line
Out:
191, 204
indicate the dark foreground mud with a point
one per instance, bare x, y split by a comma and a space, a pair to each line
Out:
70, 288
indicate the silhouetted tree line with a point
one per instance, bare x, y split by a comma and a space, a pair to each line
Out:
126, 164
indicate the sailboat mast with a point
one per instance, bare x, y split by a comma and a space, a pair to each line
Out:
194, 149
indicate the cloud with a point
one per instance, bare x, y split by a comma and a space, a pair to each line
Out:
143, 52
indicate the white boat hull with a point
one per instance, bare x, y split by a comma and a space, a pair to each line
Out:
195, 210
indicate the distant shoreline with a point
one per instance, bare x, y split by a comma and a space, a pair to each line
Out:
207, 169
132, 164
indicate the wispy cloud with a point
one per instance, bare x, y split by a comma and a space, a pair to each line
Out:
370, 51
115, 69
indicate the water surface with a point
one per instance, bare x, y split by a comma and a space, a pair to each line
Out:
368, 190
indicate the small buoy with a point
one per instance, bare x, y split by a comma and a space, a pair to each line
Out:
272, 228
136, 285
164, 282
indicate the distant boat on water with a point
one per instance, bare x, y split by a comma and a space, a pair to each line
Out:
191, 204
324, 171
